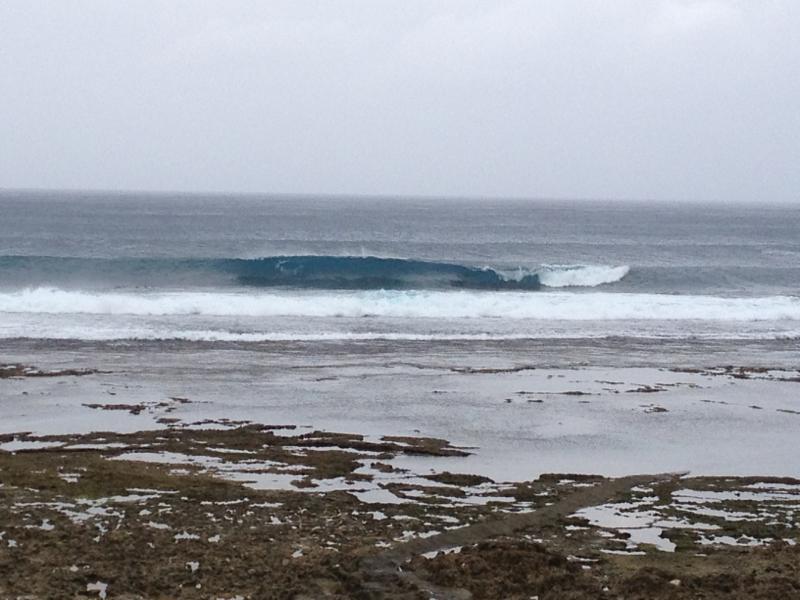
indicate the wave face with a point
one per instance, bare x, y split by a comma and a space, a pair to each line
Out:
310, 272
367, 273
591, 306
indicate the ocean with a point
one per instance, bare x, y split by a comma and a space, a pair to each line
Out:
532, 332
215, 268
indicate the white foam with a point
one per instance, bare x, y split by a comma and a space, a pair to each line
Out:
549, 306
556, 276
68, 331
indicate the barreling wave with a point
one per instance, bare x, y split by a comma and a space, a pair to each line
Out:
313, 272
566, 306
370, 272
308, 271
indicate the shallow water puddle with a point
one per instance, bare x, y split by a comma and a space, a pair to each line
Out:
645, 520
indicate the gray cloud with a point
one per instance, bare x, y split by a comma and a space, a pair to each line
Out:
669, 99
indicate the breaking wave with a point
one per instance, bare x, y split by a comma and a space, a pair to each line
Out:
307, 271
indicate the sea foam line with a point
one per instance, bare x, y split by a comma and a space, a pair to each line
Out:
65, 331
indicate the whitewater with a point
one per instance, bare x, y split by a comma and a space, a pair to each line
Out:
389, 315
411, 305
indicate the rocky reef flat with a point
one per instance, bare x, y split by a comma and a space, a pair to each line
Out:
256, 512
126, 490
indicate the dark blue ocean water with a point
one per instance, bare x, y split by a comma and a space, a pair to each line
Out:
97, 266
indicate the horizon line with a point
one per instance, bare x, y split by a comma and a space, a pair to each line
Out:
389, 196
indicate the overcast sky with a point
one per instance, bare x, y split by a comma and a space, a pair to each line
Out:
666, 99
